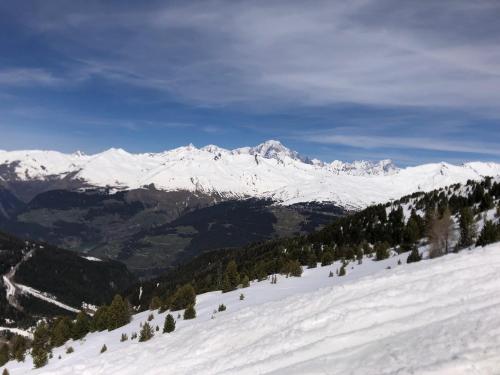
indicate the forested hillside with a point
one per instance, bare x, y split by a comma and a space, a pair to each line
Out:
447, 219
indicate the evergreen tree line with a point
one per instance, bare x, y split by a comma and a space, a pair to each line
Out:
367, 233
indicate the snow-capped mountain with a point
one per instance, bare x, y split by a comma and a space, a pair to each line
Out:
269, 170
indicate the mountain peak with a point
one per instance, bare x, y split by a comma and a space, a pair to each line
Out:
272, 149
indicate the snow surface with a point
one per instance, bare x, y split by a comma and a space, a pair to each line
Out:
437, 316
269, 170
44, 297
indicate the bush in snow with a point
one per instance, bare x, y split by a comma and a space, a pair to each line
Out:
222, 307
150, 317
414, 256
70, 350
124, 337
190, 313
242, 297
146, 332
104, 348
169, 325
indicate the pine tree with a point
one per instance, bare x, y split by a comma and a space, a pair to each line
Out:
312, 261
381, 250
146, 332
19, 346
155, 303
231, 277
104, 348
326, 258
342, 271
100, 320
242, 297
489, 234
414, 256
4, 354
5, 372
294, 268
330, 274
359, 256
41, 345
150, 317
124, 337
61, 331
81, 326
169, 325
245, 281
183, 297
190, 313
118, 313
467, 228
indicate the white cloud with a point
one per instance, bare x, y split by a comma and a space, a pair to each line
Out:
375, 52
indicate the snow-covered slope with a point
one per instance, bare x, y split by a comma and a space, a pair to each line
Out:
269, 170
433, 317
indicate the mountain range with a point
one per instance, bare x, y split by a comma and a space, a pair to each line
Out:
267, 171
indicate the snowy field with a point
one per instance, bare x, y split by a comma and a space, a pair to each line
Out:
437, 316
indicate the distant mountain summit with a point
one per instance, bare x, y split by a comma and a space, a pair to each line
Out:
268, 170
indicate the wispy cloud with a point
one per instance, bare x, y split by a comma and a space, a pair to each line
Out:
375, 52
28, 77
397, 142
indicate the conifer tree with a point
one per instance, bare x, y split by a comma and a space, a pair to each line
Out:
41, 346
245, 281
155, 303
5, 372
123, 337
242, 297
118, 313
312, 261
231, 277
61, 331
294, 268
169, 325
467, 228
183, 297
4, 354
326, 258
81, 326
189, 313
146, 332
381, 250
222, 307
414, 256
342, 271
359, 256
489, 234
104, 348
19, 346
100, 320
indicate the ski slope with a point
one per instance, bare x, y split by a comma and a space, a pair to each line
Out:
269, 170
437, 316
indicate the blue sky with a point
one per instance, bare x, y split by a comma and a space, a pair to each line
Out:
366, 79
